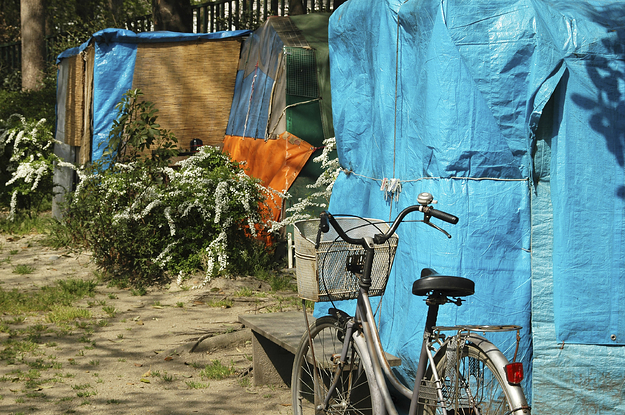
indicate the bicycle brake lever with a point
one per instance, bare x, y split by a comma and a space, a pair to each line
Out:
437, 228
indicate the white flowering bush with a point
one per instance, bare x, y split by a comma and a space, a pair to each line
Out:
27, 154
145, 221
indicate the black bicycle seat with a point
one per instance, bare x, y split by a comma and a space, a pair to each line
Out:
433, 283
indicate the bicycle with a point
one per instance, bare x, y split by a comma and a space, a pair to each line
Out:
340, 366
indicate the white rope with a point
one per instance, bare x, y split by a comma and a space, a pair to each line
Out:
350, 172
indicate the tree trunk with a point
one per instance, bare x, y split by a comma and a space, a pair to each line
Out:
33, 23
296, 7
116, 7
172, 15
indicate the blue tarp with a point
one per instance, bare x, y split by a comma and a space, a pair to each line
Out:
255, 81
114, 65
449, 97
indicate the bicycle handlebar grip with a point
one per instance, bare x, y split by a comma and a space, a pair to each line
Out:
324, 226
444, 216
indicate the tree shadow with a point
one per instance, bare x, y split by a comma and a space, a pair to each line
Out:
607, 73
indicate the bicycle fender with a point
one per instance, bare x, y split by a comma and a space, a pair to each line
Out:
377, 402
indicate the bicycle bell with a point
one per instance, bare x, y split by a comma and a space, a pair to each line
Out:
425, 198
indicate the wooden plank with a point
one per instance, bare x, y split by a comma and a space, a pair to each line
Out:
284, 329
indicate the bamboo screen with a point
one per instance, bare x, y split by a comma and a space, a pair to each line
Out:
191, 84
75, 102
78, 103
85, 147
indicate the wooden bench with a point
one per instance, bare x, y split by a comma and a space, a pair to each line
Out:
275, 339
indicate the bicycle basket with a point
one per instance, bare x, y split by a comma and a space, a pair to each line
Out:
322, 273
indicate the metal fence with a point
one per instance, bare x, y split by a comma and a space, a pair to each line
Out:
212, 16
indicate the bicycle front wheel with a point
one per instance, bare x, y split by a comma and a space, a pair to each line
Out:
471, 383
316, 367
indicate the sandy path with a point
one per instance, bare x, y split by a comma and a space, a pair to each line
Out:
135, 359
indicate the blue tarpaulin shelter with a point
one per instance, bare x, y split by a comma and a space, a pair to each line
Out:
189, 75
511, 113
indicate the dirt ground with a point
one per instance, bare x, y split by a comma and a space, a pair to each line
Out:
133, 355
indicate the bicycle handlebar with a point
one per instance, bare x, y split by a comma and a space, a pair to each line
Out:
380, 238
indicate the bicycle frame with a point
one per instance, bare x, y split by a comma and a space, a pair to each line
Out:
362, 330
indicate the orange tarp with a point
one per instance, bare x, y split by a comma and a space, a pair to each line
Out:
275, 162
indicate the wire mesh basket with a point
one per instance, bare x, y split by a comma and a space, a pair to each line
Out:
322, 274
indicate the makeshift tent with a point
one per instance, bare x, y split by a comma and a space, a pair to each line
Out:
281, 111
190, 77
511, 114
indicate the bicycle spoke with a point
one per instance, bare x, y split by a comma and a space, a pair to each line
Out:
351, 395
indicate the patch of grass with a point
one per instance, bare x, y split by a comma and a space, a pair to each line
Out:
25, 224
277, 281
244, 382
66, 313
23, 269
244, 292
180, 304
139, 291
13, 348
84, 339
196, 385
167, 377
81, 324
223, 303
13, 251
216, 370
39, 364
62, 293
81, 387
110, 310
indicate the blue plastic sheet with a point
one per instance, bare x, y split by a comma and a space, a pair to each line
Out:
448, 97
250, 111
254, 83
114, 67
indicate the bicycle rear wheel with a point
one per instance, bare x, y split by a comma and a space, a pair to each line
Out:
472, 383
310, 381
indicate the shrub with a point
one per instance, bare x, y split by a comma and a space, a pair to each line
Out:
27, 153
144, 220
